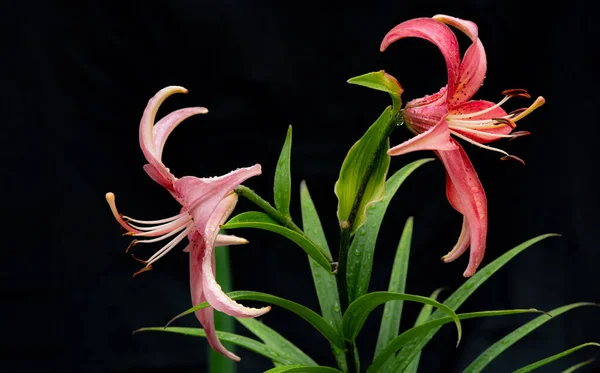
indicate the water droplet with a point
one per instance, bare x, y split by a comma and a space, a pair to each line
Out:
357, 252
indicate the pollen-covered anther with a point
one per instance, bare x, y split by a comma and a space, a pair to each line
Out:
517, 92
514, 135
145, 269
144, 262
132, 244
508, 122
513, 158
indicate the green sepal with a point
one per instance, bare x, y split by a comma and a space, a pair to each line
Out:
381, 81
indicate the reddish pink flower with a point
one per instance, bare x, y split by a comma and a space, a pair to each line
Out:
206, 205
450, 111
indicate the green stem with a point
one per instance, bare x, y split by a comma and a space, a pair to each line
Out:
346, 226
282, 219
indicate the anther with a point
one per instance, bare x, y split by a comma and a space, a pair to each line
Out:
514, 158
132, 244
518, 92
144, 262
506, 121
519, 134
142, 270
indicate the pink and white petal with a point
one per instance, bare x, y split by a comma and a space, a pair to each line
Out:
488, 134
160, 178
422, 118
212, 290
436, 99
200, 196
472, 74
164, 127
437, 33
206, 318
229, 240
452, 194
471, 194
462, 244
467, 27
436, 138
475, 106
147, 124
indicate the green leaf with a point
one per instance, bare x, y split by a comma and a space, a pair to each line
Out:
274, 340
577, 366
381, 81
245, 342
459, 296
218, 363
356, 165
260, 220
325, 281
307, 314
548, 360
358, 311
283, 180
302, 369
422, 318
417, 332
392, 312
497, 348
362, 249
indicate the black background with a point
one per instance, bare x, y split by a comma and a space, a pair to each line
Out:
77, 78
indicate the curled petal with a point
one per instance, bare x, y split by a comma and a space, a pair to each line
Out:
164, 127
205, 315
147, 129
160, 178
462, 244
200, 196
437, 33
473, 201
212, 291
436, 138
472, 74
437, 99
467, 27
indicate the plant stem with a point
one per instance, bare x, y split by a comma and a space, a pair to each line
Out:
282, 219
346, 225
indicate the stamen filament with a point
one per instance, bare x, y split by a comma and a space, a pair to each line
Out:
470, 115
478, 144
160, 238
490, 135
163, 251
164, 228
153, 228
166, 220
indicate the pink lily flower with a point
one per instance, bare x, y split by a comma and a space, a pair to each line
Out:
452, 112
206, 205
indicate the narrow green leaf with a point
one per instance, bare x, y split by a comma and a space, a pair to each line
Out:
302, 369
260, 220
218, 363
283, 180
381, 81
548, 360
358, 311
417, 332
577, 366
274, 340
245, 342
325, 281
392, 312
307, 314
422, 318
362, 249
459, 296
356, 165
513, 337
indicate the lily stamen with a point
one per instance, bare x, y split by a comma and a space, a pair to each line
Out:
166, 220
160, 229
506, 155
516, 92
165, 249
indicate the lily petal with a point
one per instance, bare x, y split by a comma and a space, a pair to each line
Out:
147, 129
436, 138
164, 127
200, 196
212, 290
205, 315
435, 32
461, 246
473, 201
